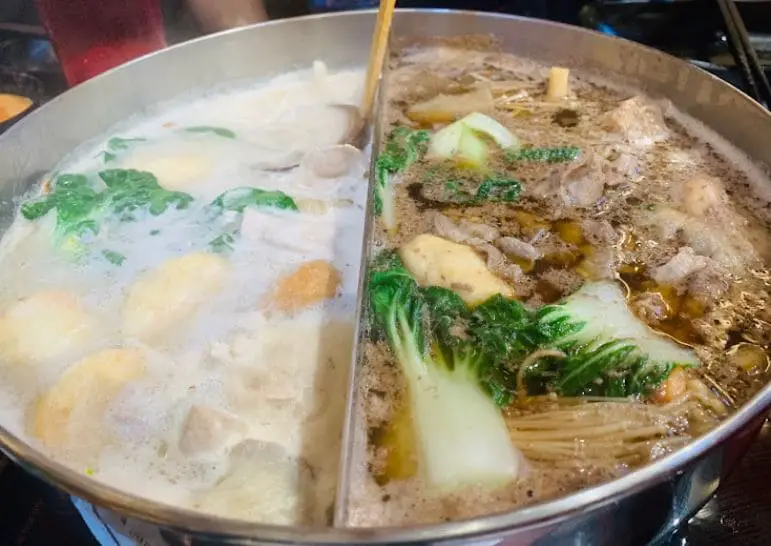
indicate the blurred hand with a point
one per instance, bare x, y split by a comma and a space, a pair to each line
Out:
216, 15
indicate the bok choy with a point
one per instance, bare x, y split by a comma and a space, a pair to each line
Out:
460, 434
403, 147
82, 205
607, 350
466, 140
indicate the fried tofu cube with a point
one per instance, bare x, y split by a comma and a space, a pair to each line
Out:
311, 283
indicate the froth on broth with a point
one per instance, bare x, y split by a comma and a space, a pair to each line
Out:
567, 281
177, 301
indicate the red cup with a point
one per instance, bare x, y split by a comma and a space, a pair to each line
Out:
91, 36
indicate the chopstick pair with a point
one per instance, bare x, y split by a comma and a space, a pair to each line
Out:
745, 53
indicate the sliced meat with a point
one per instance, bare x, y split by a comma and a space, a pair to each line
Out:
728, 244
516, 247
601, 263
208, 430
599, 232
638, 121
581, 185
664, 222
566, 281
481, 231
683, 264
700, 195
465, 232
651, 307
497, 263
709, 284
548, 243
446, 228
627, 165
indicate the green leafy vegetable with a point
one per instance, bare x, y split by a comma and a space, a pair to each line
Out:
75, 202
107, 157
492, 189
466, 140
506, 331
223, 243
119, 144
129, 190
496, 188
113, 257
460, 433
116, 145
608, 351
403, 147
239, 199
81, 207
219, 131
545, 155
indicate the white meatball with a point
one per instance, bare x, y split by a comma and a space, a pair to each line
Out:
333, 162
70, 413
44, 327
168, 296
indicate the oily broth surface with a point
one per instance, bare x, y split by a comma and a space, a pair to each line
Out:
691, 150
232, 355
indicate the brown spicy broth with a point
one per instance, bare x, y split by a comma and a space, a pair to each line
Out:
730, 334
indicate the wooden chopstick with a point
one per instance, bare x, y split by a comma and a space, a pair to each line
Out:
745, 53
377, 54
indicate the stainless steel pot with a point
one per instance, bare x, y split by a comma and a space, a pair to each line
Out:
637, 508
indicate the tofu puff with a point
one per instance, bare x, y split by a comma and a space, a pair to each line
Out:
438, 262
164, 299
310, 284
44, 329
68, 417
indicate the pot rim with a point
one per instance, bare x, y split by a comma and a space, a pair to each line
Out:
549, 512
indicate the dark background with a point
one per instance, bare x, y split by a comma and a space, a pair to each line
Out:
35, 514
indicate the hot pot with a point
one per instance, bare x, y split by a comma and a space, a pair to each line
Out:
639, 508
